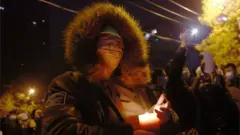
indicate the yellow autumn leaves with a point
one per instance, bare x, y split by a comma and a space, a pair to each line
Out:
223, 42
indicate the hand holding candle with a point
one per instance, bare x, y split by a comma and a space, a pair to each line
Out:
155, 119
149, 121
163, 109
152, 121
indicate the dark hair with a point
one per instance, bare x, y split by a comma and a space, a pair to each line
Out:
167, 67
156, 73
231, 65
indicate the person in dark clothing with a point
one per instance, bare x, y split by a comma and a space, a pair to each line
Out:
10, 125
232, 79
218, 112
101, 39
37, 116
231, 75
179, 93
159, 82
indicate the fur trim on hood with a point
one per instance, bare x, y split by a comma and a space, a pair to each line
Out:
82, 33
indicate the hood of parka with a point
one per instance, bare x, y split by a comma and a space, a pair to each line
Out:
82, 33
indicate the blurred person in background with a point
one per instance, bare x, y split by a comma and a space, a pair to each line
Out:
186, 75
231, 75
218, 113
10, 125
37, 115
232, 79
159, 82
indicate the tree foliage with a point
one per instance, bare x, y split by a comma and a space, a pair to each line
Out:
224, 41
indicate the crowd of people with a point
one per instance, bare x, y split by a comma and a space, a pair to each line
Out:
19, 114
113, 91
18, 122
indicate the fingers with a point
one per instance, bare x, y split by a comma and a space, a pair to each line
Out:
164, 110
158, 111
161, 99
163, 115
165, 105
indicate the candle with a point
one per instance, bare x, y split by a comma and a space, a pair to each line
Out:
149, 121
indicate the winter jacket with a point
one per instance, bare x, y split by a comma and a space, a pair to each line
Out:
75, 106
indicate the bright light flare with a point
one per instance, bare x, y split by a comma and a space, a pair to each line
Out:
31, 91
194, 31
222, 18
1, 8
34, 23
218, 2
147, 36
154, 31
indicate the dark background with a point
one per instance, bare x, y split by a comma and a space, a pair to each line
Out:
32, 33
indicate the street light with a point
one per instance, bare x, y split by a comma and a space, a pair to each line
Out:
31, 91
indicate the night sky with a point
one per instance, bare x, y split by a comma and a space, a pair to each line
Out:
32, 36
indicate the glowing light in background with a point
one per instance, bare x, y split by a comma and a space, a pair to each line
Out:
1, 8
194, 31
154, 31
147, 36
31, 91
222, 18
34, 23
218, 3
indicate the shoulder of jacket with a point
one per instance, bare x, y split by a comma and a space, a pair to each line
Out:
66, 81
63, 88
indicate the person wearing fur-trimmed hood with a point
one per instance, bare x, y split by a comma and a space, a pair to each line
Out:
101, 40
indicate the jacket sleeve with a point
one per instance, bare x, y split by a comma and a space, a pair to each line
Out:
62, 118
176, 66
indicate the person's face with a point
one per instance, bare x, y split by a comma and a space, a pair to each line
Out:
135, 78
162, 80
185, 73
229, 73
110, 52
